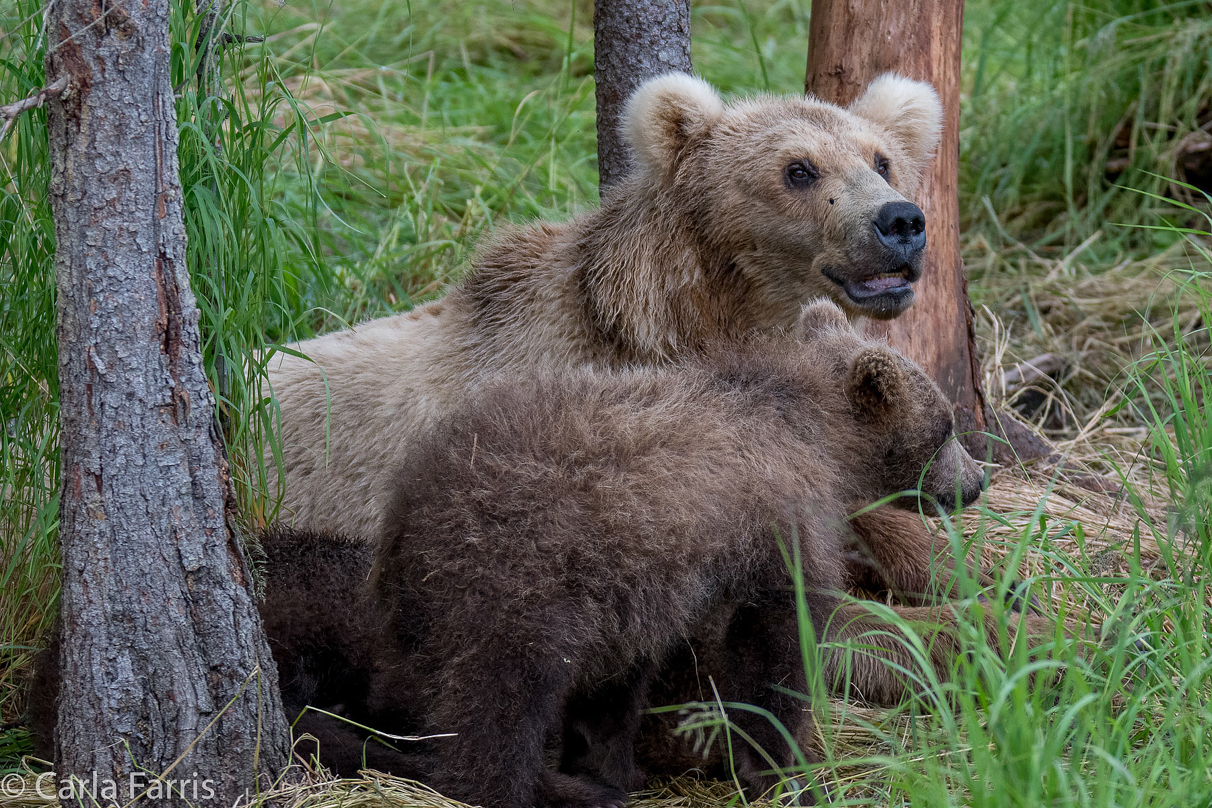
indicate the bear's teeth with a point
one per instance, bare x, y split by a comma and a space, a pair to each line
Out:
883, 282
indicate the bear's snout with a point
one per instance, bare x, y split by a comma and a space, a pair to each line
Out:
954, 481
971, 493
901, 227
885, 263
968, 495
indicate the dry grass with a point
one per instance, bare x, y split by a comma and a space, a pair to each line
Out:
372, 790
1098, 319
377, 790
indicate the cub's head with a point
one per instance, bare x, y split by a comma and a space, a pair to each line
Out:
893, 421
803, 197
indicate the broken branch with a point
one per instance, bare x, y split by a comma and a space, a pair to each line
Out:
1025, 374
240, 39
10, 112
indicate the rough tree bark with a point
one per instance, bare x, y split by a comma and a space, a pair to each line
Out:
851, 42
633, 40
163, 656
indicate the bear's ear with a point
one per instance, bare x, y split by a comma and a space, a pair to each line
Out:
665, 114
818, 316
876, 380
908, 109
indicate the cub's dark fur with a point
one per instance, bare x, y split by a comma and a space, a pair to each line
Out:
325, 627
550, 545
326, 634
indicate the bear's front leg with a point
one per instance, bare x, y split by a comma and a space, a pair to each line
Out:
498, 699
872, 659
763, 667
894, 549
600, 729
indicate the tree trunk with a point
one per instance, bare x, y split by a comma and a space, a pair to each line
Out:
850, 42
633, 40
163, 656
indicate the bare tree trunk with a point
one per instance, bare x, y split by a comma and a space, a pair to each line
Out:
163, 656
633, 40
850, 42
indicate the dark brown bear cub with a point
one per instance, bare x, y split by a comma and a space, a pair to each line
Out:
547, 547
326, 634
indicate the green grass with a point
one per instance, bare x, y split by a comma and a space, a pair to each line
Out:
481, 111
29, 389
242, 235
1121, 727
363, 149
1052, 86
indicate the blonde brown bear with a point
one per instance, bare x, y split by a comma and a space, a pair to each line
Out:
732, 217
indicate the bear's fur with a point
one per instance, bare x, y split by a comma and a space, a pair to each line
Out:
549, 544
710, 238
326, 629
326, 634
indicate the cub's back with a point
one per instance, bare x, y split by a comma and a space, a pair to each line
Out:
599, 484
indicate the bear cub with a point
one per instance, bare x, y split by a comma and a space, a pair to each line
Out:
550, 544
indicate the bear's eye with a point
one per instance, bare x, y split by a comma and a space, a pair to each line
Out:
800, 174
881, 166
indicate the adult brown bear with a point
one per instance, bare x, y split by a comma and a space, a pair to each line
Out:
732, 217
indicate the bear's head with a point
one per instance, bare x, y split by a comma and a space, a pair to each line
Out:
893, 421
803, 197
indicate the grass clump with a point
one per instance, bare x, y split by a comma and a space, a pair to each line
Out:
29, 380
1070, 106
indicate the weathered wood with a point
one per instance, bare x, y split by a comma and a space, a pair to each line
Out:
851, 42
1031, 371
633, 40
162, 645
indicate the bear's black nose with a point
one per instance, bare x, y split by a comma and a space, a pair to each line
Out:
901, 226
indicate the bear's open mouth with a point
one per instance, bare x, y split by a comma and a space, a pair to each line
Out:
887, 294
880, 284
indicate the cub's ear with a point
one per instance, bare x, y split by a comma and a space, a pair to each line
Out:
664, 115
909, 110
876, 381
818, 316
